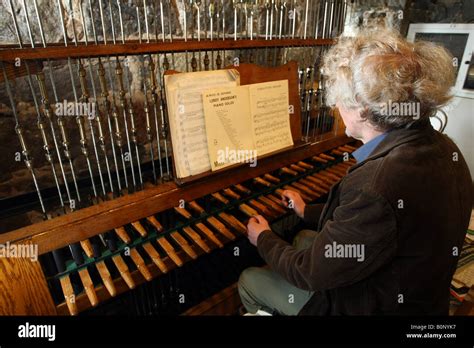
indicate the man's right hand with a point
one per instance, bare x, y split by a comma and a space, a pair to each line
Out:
293, 200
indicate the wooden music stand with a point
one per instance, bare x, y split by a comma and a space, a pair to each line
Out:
249, 74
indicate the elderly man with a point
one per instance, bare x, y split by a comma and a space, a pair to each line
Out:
404, 207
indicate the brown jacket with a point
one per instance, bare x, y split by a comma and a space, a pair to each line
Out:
408, 204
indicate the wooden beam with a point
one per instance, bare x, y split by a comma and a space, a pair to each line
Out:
11, 53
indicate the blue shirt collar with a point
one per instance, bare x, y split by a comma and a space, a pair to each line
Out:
365, 150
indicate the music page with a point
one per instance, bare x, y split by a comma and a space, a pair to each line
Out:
269, 111
228, 124
186, 116
245, 122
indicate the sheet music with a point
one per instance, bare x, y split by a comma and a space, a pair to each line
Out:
228, 125
270, 116
246, 121
186, 116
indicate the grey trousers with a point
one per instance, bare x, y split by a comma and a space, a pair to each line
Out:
261, 288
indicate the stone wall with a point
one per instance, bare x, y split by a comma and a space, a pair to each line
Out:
373, 14
398, 14
441, 11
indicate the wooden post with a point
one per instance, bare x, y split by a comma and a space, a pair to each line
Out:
23, 287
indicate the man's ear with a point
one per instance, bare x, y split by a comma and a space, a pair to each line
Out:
363, 114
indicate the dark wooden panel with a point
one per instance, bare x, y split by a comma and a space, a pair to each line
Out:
14, 71
131, 48
226, 302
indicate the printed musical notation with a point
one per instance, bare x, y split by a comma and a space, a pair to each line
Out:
251, 119
186, 117
270, 117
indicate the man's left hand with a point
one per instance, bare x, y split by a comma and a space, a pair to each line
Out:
257, 224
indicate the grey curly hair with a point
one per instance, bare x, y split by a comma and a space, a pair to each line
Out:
375, 68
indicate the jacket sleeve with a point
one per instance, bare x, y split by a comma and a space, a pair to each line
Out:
311, 215
363, 220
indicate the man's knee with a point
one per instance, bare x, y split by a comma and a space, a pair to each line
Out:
248, 288
248, 279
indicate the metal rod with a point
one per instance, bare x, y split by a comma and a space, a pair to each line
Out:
115, 118
49, 114
223, 29
145, 102
197, 4
336, 18
145, 11
102, 20
164, 126
107, 107
252, 13
123, 107
234, 2
130, 105
281, 14
293, 20
331, 17
24, 149
116, 124
112, 25
85, 99
286, 19
272, 6
218, 10
162, 19
325, 19
80, 125
316, 31
306, 18
105, 94
168, 6
267, 29
164, 131
276, 9
97, 116
163, 36
185, 28
206, 55
344, 16
211, 14
154, 96
40, 118
85, 94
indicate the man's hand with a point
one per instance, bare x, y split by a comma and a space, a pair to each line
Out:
293, 200
257, 224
